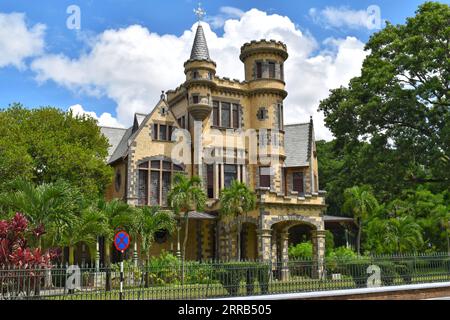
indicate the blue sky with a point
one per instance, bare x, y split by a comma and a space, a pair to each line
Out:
22, 84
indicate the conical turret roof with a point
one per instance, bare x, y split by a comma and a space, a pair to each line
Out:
200, 48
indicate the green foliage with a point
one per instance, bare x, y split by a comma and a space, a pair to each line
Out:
392, 123
53, 205
235, 201
166, 269
231, 274
301, 251
186, 195
392, 130
46, 145
329, 242
149, 220
416, 221
360, 203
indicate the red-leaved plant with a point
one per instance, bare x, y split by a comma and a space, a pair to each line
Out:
21, 267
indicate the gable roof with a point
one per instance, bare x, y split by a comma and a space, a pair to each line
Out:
298, 142
122, 147
114, 136
120, 142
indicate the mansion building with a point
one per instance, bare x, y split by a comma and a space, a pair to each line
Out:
289, 202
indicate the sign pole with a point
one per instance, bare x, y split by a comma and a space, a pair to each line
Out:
121, 242
121, 276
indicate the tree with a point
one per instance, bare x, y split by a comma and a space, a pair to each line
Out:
118, 215
47, 144
360, 202
394, 119
51, 205
148, 221
430, 211
236, 201
185, 196
333, 175
83, 228
404, 234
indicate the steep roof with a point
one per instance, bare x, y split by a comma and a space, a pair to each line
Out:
297, 141
114, 136
120, 139
122, 147
200, 48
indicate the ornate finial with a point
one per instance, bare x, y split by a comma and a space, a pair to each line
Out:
163, 95
199, 12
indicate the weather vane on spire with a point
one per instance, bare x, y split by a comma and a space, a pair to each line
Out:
199, 12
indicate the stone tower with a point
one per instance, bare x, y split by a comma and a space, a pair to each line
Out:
200, 71
264, 73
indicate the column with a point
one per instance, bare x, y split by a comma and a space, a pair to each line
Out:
284, 243
264, 244
318, 241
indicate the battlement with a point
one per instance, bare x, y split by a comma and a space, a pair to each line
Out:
263, 46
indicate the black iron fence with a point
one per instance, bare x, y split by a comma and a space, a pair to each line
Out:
216, 280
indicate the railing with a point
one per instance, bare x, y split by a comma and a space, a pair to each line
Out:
218, 280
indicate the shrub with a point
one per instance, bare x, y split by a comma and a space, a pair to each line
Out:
164, 269
329, 242
231, 274
388, 272
301, 251
356, 268
198, 273
16, 254
405, 270
337, 257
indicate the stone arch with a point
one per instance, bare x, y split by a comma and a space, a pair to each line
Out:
291, 220
159, 157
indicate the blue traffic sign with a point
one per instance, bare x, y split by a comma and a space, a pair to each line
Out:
122, 241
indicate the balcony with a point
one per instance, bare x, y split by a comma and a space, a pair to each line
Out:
200, 107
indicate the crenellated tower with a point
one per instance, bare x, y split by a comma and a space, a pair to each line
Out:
264, 72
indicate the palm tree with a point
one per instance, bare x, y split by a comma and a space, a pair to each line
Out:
360, 202
83, 228
147, 221
403, 233
237, 200
185, 196
118, 214
48, 205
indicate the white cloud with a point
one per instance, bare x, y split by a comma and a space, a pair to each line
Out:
344, 17
105, 120
18, 41
226, 13
132, 65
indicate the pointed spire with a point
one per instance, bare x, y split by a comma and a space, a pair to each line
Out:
200, 48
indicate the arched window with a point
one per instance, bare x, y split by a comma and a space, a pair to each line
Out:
155, 179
